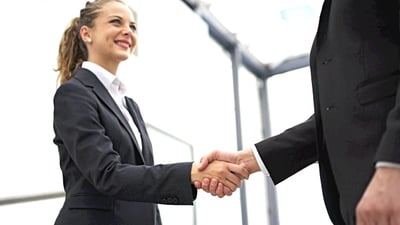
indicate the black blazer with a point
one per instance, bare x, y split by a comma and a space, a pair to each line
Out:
355, 71
107, 180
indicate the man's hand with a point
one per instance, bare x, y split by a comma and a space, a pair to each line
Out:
227, 175
243, 157
380, 204
231, 157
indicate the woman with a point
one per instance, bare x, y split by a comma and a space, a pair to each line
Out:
105, 152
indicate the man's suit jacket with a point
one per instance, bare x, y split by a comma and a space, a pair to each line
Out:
107, 179
355, 71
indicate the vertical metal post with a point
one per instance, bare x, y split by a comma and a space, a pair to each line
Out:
273, 214
235, 58
194, 203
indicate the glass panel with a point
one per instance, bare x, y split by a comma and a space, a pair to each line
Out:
168, 148
37, 212
252, 133
273, 30
291, 102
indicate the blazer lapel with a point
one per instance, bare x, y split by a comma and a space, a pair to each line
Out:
323, 23
90, 80
147, 149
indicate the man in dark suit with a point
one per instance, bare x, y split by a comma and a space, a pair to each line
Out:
354, 134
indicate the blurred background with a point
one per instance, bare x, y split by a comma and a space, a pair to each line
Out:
207, 74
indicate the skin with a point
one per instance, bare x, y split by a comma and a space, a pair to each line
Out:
380, 203
244, 158
112, 40
229, 175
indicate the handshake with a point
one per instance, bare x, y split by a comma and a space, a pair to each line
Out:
220, 173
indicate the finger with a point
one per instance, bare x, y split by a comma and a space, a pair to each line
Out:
366, 218
220, 190
360, 218
227, 191
207, 159
197, 184
395, 219
205, 185
229, 184
213, 186
203, 163
239, 170
233, 181
360, 221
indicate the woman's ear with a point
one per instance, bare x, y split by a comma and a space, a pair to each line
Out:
85, 34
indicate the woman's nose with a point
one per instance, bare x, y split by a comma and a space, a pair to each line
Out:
127, 31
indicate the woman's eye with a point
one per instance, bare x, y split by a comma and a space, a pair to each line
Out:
133, 27
116, 21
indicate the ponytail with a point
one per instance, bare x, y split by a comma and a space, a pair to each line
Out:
71, 53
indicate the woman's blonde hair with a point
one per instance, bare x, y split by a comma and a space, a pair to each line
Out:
72, 51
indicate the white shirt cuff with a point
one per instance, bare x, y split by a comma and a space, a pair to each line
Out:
259, 161
387, 164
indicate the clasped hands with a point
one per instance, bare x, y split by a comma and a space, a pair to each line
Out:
220, 173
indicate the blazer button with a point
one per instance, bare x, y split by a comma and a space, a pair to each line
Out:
326, 61
329, 108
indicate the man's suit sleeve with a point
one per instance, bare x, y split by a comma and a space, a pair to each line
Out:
388, 150
389, 147
292, 150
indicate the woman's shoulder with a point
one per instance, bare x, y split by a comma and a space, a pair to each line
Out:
81, 79
73, 88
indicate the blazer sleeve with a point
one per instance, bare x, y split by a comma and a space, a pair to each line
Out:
389, 147
290, 151
79, 131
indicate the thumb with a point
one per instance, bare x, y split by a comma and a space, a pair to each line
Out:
203, 163
207, 159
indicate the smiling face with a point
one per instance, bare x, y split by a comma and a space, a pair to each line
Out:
112, 39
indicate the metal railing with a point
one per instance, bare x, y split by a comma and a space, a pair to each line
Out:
30, 198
